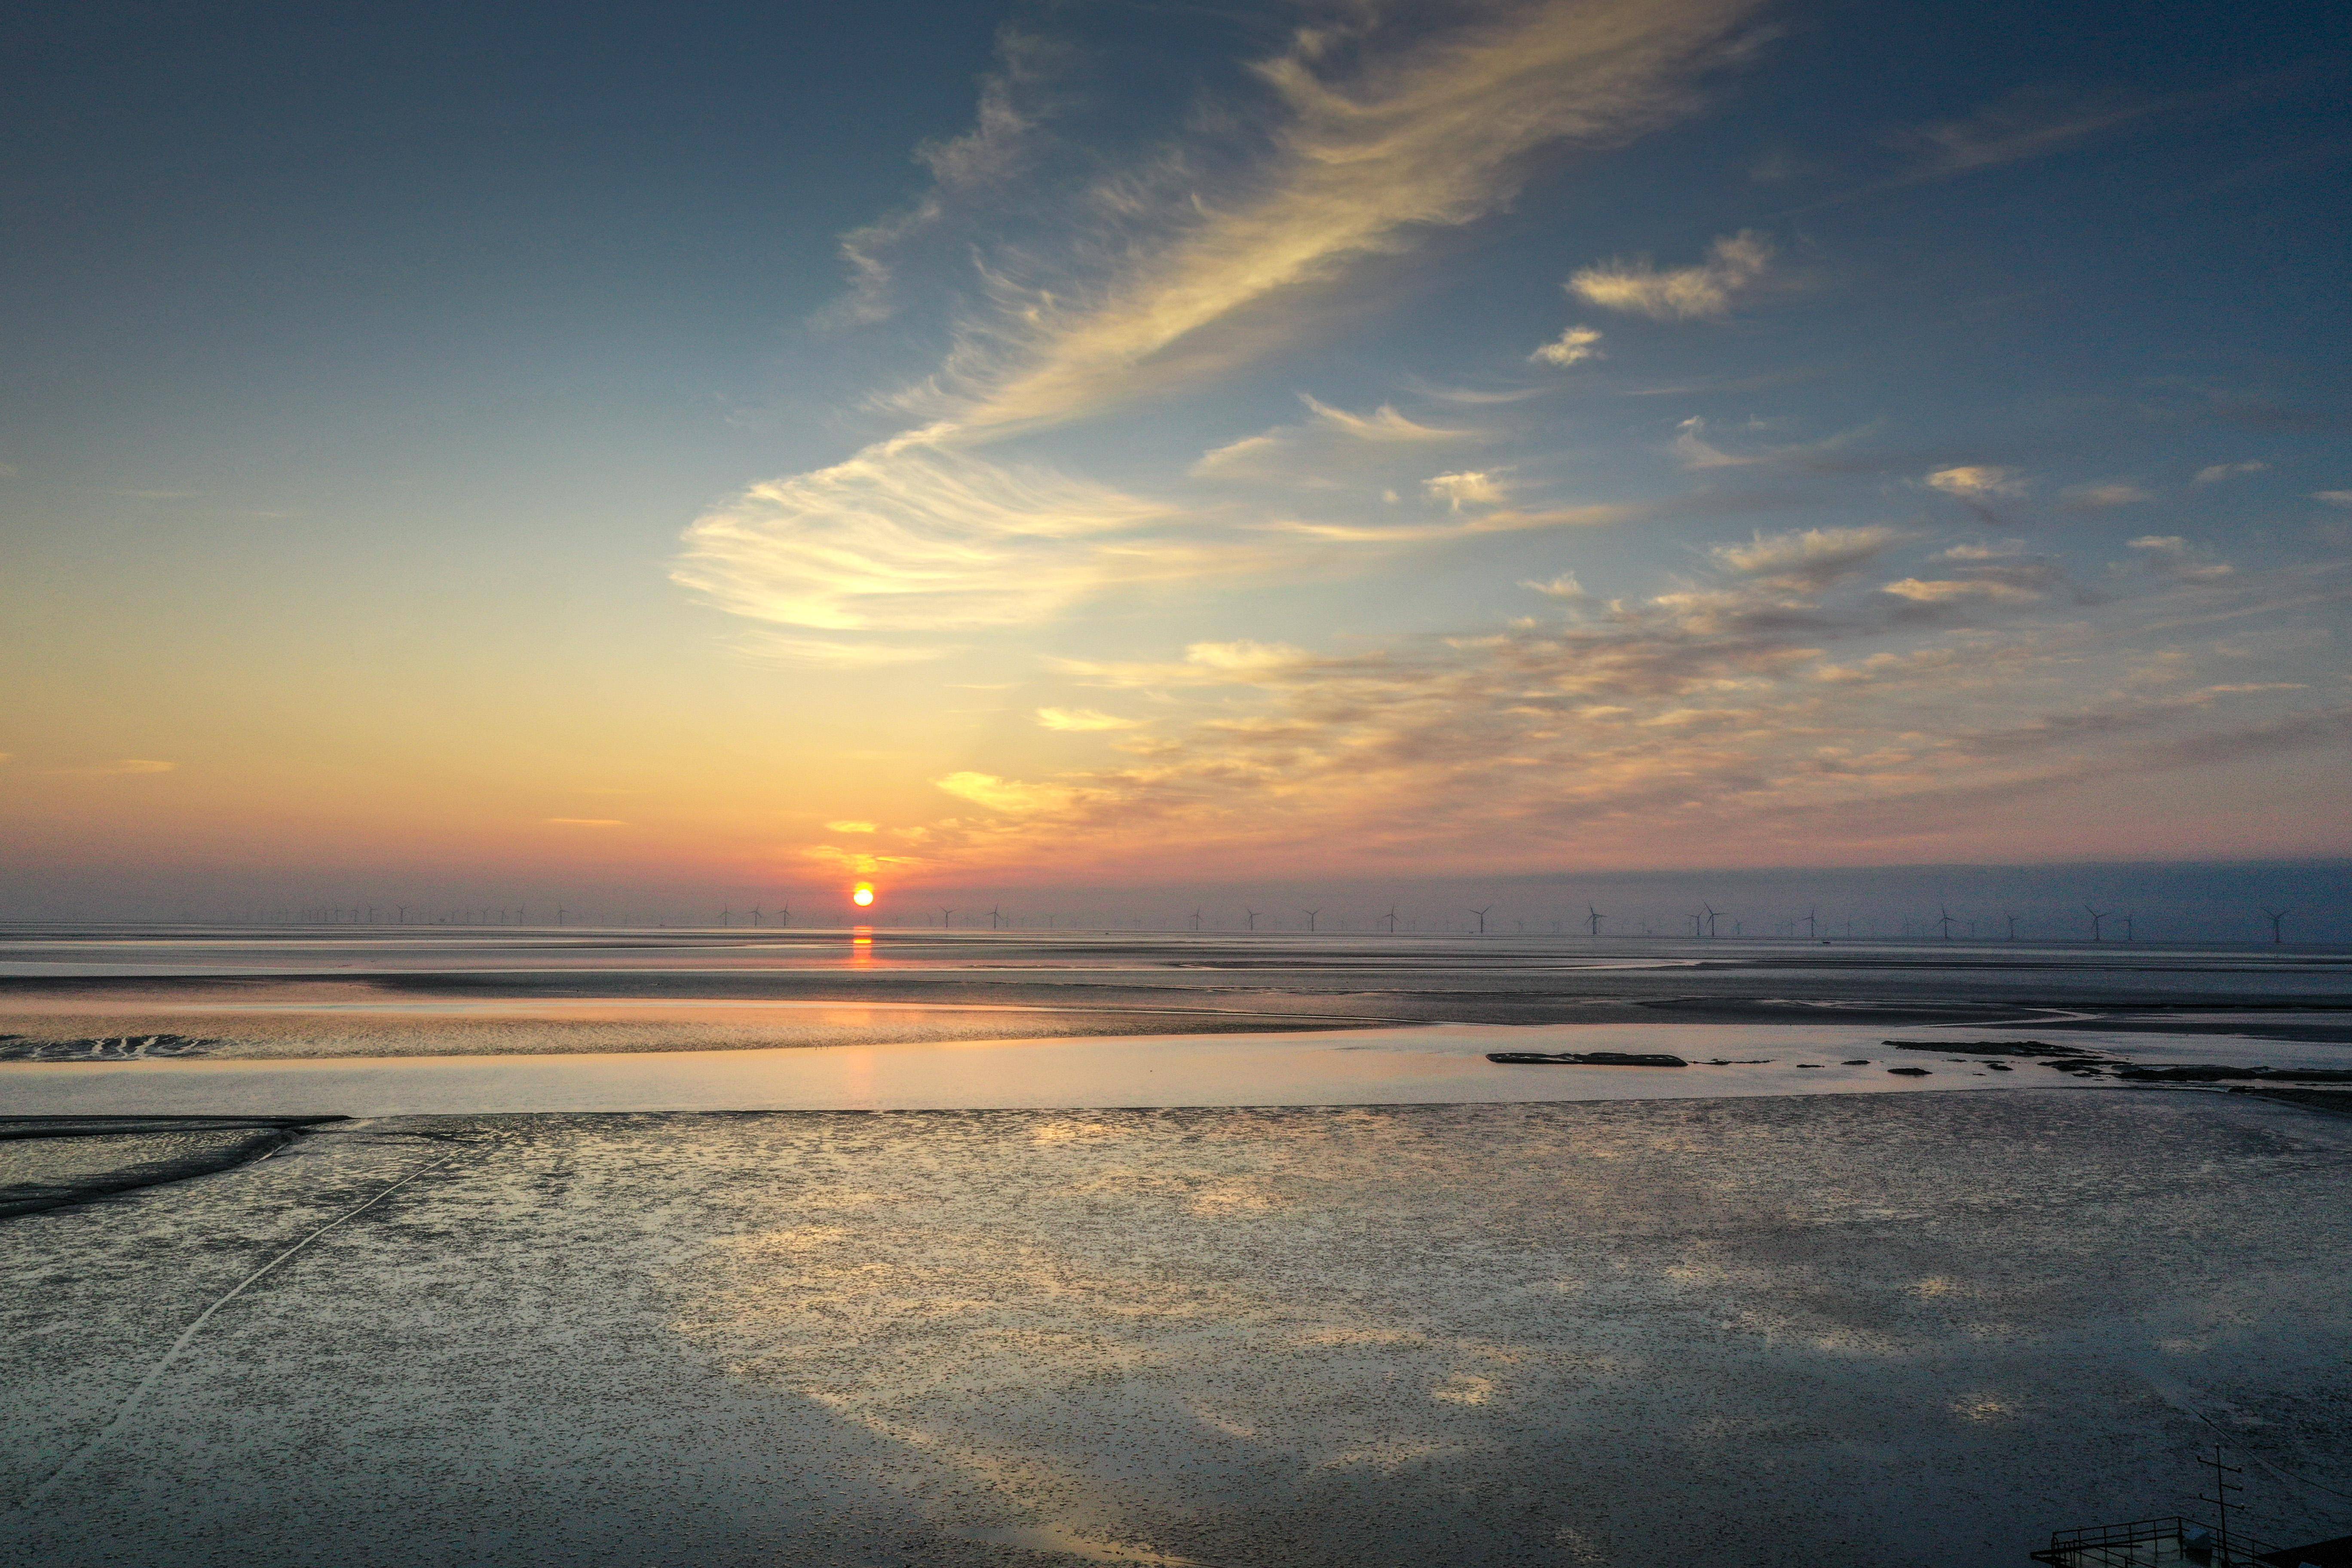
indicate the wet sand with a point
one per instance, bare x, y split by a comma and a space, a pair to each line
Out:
1907, 1330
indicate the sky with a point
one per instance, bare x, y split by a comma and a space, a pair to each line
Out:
706, 450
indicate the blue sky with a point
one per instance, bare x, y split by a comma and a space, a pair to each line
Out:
1002, 445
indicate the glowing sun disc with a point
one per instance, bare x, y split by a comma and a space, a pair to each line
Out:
863, 895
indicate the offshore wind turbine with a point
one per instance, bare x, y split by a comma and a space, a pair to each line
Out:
2099, 919
1391, 919
1713, 915
947, 919
1251, 915
1944, 922
1196, 919
2278, 924
1592, 919
1310, 915
1482, 919
995, 914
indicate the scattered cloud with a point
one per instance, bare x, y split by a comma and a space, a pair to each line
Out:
2172, 556
2333, 498
1564, 587
1716, 706
2218, 472
1458, 490
584, 822
1084, 718
1977, 481
1009, 796
852, 827
1811, 558
1736, 265
1952, 591
2099, 497
1983, 550
1573, 346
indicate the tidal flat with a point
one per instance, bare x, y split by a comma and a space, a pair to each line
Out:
720, 1249
1922, 1329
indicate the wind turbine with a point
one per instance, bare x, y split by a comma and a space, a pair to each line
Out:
1196, 919
1391, 919
1251, 915
1698, 923
1812, 917
2278, 924
1310, 915
1713, 915
784, 918
2128, 928
1592, 919
2098, 922
995, 913
1944, 922
947, 919
2012, 926
1482, 919
759, 916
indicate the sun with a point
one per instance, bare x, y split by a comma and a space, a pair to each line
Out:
863, 895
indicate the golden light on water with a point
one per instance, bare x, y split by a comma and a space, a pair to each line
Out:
863, 895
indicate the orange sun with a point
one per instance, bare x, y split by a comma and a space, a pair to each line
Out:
863, 895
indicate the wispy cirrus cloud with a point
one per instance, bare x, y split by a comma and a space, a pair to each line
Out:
1372, 133
1300, 453
2031, 123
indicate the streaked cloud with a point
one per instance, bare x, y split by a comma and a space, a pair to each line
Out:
1303, 452
2333, 498
917, 536
852, 827
584, 822
2218, 472
1735, 266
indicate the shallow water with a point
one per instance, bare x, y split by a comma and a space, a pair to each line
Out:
1441, 1064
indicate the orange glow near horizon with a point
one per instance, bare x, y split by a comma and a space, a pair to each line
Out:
863, 895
